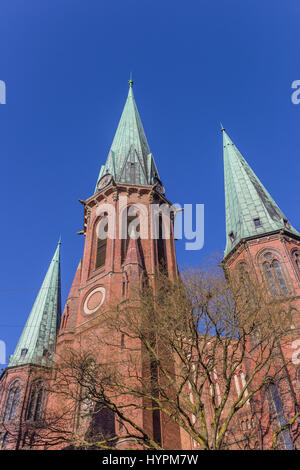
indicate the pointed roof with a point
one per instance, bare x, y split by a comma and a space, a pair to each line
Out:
37, 342
76, 281
129, 159
250, 209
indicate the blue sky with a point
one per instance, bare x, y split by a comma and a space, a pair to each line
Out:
194, 63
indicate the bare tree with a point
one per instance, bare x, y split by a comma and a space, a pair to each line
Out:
196, 354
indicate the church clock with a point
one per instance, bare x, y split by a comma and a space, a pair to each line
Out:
104, 181
159, 186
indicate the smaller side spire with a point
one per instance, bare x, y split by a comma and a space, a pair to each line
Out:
250, 209
37, 342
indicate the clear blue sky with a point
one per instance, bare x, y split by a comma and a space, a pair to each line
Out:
194, 63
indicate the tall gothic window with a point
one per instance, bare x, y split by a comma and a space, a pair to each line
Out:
102, 228
161, 251
12, 401
296, 258
34, 408
284, 440
102, 424
274, 275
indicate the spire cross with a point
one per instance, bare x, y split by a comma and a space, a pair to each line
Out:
130, 81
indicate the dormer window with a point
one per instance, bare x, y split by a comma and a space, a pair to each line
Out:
232, 237
286, 223
257, 222
24, 352
46, 353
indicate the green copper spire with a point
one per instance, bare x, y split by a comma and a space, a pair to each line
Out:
37, 342
250, 210
129, 159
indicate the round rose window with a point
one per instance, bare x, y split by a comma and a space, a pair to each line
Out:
94, 300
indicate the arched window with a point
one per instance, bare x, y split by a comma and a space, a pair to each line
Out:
101, 233
161, 249
12, 401
275, 403
102, 424
296, 258
35, 403
274, 275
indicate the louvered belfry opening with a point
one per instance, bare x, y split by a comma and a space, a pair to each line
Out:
101, 245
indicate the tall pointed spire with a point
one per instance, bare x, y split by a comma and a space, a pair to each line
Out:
129, 159
250, 210
37, 342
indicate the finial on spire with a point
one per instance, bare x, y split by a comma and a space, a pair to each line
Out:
59, 241
130, 81
222, 128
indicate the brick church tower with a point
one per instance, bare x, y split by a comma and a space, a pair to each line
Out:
127, 186
260, 239
22, 384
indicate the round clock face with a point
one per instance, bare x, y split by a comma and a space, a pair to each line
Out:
159, 186
105, 180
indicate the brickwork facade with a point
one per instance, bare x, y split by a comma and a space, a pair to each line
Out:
108, 273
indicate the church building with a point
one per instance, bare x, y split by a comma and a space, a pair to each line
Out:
258, 236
